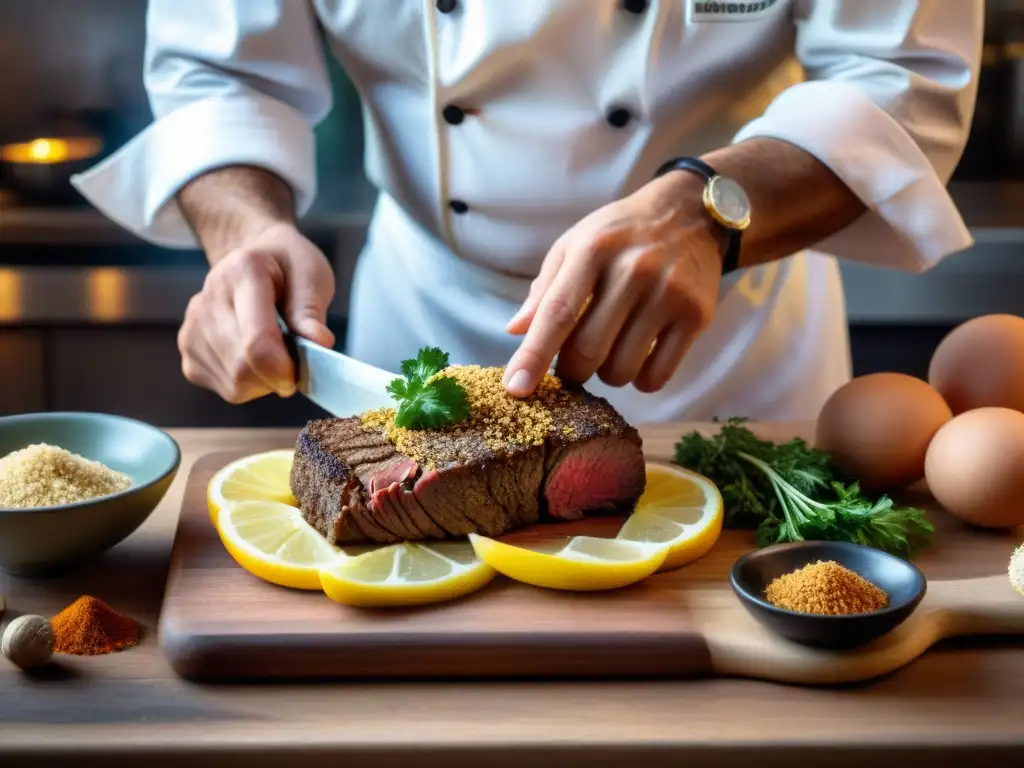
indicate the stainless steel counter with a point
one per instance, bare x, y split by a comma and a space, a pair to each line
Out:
989, 277
139, 293
344, 202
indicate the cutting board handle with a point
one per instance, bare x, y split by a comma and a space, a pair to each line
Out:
984, 606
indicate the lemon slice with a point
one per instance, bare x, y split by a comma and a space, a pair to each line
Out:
584, 564
680, 509
406, 574
262, 476
271, 540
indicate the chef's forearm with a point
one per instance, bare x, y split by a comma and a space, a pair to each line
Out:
795, 200
227, 206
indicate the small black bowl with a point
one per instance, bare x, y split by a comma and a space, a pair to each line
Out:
903, 581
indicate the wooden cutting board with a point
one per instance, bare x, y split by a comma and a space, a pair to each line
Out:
220, 623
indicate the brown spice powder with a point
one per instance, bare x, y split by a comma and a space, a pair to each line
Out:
506, 423
826, 588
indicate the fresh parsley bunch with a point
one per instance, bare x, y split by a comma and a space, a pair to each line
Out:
426, 400
792, 492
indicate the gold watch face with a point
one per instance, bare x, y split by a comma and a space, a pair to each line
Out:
727, 202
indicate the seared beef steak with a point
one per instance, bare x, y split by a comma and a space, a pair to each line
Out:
356, 482
594, 460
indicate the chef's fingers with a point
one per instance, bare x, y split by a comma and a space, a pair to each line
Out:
226, 349
557, 312
633, 345
200, 359
260, 345
666, 357
202, 366
195, 352
197, 372
309, 288
313, 329
199, 363
520, 322
617, 294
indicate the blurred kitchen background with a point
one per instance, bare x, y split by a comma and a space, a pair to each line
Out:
89, 314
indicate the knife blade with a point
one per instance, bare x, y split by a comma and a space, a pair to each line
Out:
341, 385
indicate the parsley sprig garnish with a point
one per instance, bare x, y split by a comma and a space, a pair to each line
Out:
426, 400
792, 492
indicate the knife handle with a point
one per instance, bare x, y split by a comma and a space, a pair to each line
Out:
291, 343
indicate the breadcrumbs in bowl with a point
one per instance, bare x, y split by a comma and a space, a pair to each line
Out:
74, 483
43, 475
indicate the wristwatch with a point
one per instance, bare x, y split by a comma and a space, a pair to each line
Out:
725, 201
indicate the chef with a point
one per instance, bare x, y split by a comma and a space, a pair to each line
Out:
651, 194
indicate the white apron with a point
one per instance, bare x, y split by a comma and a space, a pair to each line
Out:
490, 131
776, 348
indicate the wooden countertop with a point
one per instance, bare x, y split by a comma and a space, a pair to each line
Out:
957, 704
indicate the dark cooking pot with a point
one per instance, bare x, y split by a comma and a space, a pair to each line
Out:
41, 169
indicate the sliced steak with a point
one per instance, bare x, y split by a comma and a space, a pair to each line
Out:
595, 460
337, 463
489, 497
353, 485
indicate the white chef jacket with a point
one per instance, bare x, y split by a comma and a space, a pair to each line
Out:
565, 106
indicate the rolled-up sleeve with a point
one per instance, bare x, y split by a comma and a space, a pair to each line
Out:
886, 104
230, 82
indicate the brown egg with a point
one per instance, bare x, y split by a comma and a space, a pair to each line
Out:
975, 467
980, 364
877, 428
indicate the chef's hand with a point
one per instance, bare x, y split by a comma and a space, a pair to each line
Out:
649, 265
230, 341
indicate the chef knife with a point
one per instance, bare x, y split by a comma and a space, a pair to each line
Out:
341, 385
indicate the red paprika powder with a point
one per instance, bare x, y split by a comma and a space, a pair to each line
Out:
89, 627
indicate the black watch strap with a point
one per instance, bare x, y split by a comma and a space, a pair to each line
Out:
731, 258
